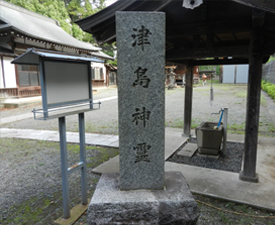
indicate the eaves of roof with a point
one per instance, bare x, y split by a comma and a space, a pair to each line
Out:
102, 55
216, 29
104, 14
32, 57
96, 23
266, 5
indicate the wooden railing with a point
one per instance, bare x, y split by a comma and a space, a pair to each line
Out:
20, 92
98, 83
29, 91
8, 92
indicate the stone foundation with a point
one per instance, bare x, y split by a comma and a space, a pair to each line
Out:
174, 205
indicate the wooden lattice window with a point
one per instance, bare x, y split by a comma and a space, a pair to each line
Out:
28, 75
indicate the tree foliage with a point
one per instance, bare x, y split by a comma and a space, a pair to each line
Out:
79, 9
211, 68
110, 50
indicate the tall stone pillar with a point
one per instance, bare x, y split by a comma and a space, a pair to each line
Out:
141, 99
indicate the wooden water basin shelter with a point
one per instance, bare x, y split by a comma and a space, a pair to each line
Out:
216, 32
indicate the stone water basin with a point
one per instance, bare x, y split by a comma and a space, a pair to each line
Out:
209, 139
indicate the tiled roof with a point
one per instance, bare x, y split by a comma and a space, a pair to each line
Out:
36, 26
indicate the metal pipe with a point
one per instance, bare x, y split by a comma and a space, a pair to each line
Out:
75, 167
64, 166
225, 117
83, 158
220, 120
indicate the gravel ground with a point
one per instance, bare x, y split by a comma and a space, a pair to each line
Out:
230, 160
105, 120
30, 188
31, 192
220, 215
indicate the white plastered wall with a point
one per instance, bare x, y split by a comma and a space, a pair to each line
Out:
1, 75
9, 71
100, 65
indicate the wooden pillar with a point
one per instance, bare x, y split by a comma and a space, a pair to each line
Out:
253, 105
188, 101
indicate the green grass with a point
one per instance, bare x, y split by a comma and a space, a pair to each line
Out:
44, 207
31, 211
271, 58
224, 218
202, 90
236, 128
271, 128
178, 123
110, 128
241, 94
269, 88
102, 155
263, 100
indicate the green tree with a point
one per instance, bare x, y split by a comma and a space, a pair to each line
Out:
54, 9
109, 50
65, 12
79, 9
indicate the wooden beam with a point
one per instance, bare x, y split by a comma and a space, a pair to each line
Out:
224, 26
258, 18
196, 41
216, 27
253, 100
226, 61
188, 101
213, 62
264, 5
107, 30
214, 52
210, 40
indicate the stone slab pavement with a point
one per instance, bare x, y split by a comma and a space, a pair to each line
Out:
173, 140
223, 184
48, 135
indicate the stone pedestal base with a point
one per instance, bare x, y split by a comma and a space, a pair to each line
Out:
249, 179
174, 205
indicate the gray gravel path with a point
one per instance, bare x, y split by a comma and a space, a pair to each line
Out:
105, 120
98, 94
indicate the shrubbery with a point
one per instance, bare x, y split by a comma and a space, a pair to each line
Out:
269, 88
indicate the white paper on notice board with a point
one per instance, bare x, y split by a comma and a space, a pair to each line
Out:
66, 82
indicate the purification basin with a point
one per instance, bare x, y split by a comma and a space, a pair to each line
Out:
209, 139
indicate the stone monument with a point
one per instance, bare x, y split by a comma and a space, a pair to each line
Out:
141, 193
141, 77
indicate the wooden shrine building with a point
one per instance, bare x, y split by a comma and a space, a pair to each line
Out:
216, 32
21, 29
